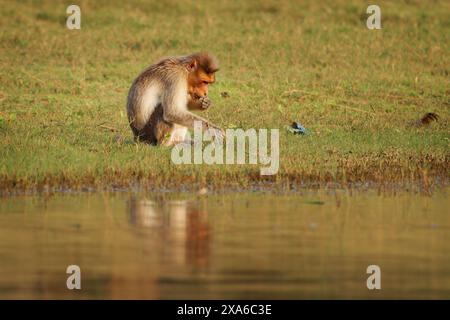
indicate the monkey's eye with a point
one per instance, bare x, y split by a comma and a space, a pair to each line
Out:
205, 82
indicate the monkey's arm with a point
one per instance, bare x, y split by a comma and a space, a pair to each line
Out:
187, 119
175, 104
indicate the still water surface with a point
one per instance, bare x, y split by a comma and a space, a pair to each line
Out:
316, 244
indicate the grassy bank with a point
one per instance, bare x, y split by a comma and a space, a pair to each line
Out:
62, 96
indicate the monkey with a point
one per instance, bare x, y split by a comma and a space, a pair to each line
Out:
161, 98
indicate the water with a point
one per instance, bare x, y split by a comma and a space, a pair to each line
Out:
313, 245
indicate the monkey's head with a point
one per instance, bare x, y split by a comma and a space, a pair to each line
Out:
201, 73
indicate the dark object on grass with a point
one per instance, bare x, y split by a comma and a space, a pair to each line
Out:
224, 94
316, 202
296, 128
427, 119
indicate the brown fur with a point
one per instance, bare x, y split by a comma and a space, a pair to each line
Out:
174, 76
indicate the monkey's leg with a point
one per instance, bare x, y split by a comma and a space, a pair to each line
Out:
178, 134
143, 135
156, 130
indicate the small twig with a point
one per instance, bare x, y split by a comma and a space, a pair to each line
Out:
109, 128
288, 92
32, 76
351, 108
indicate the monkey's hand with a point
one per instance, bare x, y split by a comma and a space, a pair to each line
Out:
205, 102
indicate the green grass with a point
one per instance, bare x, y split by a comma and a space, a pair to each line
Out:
357, 90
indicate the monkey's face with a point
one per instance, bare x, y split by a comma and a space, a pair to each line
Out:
198, 82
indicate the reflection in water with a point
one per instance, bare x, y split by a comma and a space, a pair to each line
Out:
179, 223
249, 245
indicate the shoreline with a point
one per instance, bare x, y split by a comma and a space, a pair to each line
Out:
423, 172
420, 181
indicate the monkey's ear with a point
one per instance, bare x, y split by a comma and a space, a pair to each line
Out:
192, 65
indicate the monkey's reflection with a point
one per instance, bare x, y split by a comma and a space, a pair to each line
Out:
181, 225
